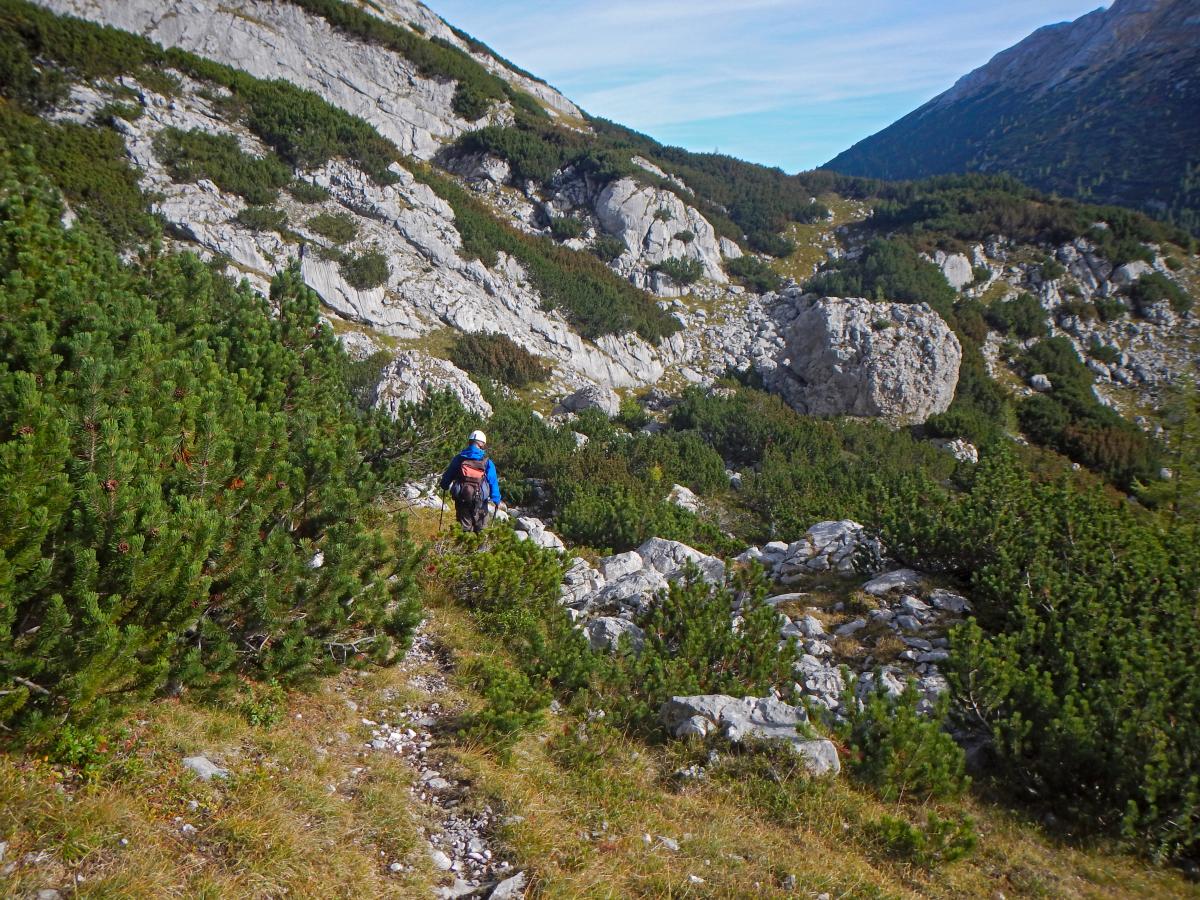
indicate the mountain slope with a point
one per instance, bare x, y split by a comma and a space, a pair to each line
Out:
1103, 108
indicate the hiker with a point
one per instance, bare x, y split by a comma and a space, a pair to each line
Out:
471, 479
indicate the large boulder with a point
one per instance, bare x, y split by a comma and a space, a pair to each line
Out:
762, 718
605, 633
592, 396
412, 376
853, 357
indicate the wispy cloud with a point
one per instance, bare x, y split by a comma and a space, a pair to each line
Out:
706, 67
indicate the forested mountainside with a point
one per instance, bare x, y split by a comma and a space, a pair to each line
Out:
1102, 108
844, 513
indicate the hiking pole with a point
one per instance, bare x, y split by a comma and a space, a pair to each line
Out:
441, 509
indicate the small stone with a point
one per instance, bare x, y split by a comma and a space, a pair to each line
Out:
851, 627
441, 860
511, 888
188, 829
668, 843
204, 768
695, 879
395, 867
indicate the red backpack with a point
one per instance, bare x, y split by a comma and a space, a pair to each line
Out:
471, 485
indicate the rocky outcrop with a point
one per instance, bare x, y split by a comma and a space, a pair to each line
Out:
740, 719
825, 547
655, 226
412, 376
955, 267
280, 40
430, 284
852, 357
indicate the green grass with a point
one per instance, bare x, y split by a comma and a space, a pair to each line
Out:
813, 239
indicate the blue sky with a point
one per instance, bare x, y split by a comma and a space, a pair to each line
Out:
789, 83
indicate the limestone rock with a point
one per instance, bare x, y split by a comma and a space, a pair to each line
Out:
760, 718
671, 559
592, 396
510, 888
955, 267
605, 633
684, 498
621, 564
204, 768
280, 40
534, 529
650, 221
826, 546
412, 376
1129, 273
1041, 383
900, 579
858, 358
962, 450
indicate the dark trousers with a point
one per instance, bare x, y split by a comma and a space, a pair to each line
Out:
472, 516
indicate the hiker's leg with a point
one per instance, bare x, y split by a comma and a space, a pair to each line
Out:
465, 514
481, 515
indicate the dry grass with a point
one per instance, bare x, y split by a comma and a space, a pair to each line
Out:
306, 813
582, 798
309, 813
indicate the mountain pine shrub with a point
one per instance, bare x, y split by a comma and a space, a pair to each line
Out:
192, 155
499, 357
888, 270
567, 227
1022, 316
1154, 287
365, 271
937, 841
902, 753
172, 455
512, 704
682, 271
340, 228
753, 273
691, 648
1071, 420
1081, 660
263, 218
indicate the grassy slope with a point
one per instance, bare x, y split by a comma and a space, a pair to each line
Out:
307, 813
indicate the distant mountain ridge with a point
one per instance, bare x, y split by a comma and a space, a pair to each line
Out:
1104, 108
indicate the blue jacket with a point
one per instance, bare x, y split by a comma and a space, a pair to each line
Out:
473, 452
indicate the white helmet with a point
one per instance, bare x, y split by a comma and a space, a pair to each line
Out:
478, 436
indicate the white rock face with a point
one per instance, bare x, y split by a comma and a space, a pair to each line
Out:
962, 450
1129, 273
956, 267
430, 284
649, 219
605, 633
280, 40
858, 358
412, 376
671, 559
